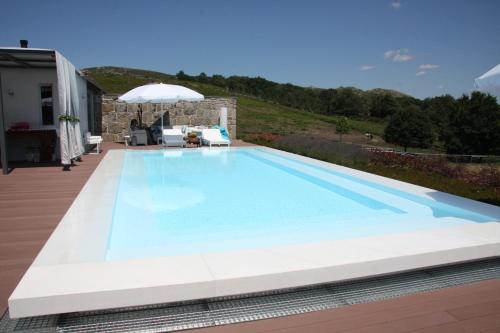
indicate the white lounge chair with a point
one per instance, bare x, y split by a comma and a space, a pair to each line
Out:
93, 140
173, 138
181, 127
212, 136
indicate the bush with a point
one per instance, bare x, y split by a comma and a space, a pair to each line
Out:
410, 127
486, 177
474, 128
342, 127
323, 149
262, 138
383, 106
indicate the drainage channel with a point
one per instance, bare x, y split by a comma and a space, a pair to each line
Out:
222, 311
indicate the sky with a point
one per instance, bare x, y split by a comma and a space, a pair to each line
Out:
420, 47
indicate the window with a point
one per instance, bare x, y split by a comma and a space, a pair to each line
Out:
47, 105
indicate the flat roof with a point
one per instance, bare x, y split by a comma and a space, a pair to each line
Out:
27, 57
32, 58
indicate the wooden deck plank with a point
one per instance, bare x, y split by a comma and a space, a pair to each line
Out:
476, 310
33, 201
425, 312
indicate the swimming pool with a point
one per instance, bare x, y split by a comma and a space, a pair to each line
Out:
184, 202
173, 225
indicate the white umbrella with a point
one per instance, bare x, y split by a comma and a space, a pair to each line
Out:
489, 82
160, 93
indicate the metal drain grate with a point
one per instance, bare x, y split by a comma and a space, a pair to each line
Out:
227, 310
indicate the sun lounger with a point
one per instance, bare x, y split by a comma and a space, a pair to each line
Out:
173, 138
212, 136
183, 128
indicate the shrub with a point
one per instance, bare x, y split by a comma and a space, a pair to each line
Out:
343, 127
474, 128
262, 137
410, 127
486, 177
383, 106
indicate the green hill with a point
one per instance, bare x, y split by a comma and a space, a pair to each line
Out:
255, 116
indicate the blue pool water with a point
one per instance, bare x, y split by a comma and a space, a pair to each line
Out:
178, 202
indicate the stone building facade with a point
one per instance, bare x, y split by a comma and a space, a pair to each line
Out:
117, 116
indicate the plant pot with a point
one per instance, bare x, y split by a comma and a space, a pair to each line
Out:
195, 141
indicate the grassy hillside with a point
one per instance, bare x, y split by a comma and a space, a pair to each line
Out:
254, 116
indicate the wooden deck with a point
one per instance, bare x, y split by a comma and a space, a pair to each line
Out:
33, 200
470, 308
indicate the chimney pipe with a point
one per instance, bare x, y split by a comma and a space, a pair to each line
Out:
24, 43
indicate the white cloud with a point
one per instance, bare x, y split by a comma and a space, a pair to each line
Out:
402, 57
396, 4
366, 67
428, 66
420, 73
398, 55
389, 54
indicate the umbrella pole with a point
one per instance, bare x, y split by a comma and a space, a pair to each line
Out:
161, 115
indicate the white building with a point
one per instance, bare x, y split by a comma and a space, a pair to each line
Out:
38, 86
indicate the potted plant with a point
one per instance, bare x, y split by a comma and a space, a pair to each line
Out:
193, 138
68, 118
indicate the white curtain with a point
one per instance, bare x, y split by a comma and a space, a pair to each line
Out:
69, 132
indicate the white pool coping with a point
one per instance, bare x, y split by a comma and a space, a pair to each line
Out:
70, 272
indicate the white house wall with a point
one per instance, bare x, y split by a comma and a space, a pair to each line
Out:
22, 101
24, 104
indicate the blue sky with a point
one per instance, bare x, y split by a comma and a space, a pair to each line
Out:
420, 47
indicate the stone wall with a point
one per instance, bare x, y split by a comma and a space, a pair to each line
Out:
116, 116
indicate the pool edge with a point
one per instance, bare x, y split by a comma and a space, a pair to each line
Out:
483, 243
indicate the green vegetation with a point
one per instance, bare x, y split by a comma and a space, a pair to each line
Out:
118, 80
347, 101
254, 114
343, 127
479, 183
474, 128
384, 106
435, 181
305, 121
410, 127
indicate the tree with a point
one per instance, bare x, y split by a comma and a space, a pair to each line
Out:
348, 102
218, 80
383, 106
439, 110
327, 100
202, 77
182, 76
474, 128
343, 127
410, 127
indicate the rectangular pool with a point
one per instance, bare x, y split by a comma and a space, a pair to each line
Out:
184, 202
172, 225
